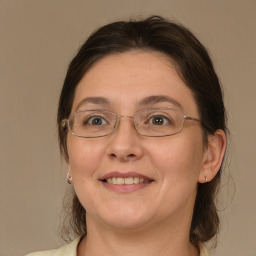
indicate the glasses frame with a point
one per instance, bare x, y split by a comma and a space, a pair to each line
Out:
66, 122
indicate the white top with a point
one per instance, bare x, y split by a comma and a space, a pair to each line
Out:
71, 250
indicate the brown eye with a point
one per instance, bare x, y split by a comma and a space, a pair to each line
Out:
95, 120
159, 120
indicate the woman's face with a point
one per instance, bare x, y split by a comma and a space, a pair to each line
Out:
172, 164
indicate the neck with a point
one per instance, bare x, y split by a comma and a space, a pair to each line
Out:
160, 240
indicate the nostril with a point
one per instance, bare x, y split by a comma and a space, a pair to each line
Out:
123, 156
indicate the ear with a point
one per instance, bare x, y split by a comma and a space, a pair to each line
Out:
69, 169
213, 156
69, 177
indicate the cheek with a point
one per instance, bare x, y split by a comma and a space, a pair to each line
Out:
178, 160
178, 165
84, 155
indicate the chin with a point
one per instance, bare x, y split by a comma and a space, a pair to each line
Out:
127, 224
126, 218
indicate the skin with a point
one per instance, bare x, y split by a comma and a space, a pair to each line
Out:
158, 215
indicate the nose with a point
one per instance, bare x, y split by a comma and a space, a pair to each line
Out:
125, 143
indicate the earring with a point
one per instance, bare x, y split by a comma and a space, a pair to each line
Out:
205, 178
69, 178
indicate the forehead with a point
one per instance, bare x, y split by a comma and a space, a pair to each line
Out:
125, 79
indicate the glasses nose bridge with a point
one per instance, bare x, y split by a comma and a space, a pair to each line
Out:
125, 116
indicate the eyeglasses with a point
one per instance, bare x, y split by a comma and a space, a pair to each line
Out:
148, 122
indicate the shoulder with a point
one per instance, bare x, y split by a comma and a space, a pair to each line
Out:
71, 250
203, 250
66, 250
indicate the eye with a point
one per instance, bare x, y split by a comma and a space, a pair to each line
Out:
159, 120
95, 120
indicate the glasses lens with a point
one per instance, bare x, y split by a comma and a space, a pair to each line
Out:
92, 123
159, 122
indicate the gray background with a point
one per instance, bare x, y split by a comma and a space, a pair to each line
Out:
39, 38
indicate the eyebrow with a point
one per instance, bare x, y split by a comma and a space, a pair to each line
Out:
93, 100
154, 99
158, 99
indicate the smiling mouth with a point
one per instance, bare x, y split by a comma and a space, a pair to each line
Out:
126, 181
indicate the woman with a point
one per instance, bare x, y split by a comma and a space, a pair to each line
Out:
142, 127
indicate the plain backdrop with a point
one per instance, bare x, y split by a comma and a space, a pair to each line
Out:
39, 38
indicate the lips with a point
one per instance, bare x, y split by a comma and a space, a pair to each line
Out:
125, 182
125, 178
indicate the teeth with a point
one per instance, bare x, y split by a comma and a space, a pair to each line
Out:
136, 180
126, 181
119, 181
109, 181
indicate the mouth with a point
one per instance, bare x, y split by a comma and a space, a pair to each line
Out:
125, 182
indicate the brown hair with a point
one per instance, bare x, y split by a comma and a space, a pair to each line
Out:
195, 68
